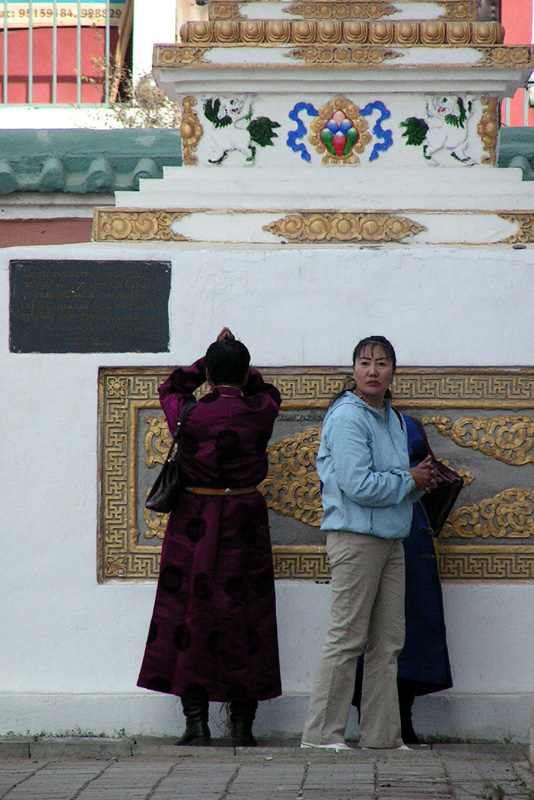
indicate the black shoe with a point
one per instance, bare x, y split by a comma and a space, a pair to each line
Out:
408, 734
241, 718
197, 732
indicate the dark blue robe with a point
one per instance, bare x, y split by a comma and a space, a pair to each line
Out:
424, 660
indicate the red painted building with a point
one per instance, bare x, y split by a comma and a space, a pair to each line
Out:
516, 16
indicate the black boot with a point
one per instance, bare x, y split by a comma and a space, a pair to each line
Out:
241, 718
406, 698
196, 731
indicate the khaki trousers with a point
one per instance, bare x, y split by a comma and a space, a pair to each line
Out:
367, 610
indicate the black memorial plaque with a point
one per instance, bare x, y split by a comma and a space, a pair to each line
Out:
89, 306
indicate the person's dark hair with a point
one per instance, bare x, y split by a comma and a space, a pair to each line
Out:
371, 341
227, 362
363, 344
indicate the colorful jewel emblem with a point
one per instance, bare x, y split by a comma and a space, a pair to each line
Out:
339, 135
340, 132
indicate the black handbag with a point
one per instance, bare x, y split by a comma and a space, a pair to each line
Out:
164, 493
439, 503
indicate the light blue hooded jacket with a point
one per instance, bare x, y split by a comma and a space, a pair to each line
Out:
363, 467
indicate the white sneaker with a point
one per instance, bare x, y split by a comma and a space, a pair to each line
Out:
337, 746
401, 747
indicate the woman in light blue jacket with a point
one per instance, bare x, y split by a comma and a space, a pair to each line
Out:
368, 491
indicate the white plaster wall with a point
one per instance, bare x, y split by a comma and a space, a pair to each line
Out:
71, 648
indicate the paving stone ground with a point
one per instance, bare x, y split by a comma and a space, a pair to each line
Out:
144, 769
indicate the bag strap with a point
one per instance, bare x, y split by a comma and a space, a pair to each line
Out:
420, 428
397, 412
177, 438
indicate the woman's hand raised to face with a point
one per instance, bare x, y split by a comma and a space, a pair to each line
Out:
226, 333
425, 475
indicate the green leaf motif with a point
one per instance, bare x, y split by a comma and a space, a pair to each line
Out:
211, 112
416, 130
262, 132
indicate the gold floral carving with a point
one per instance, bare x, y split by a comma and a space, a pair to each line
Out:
508, 439
222, 10
344, 227
190, 130
525, 234
488, 128
358, 122
178, 56
367, 56
507, 515
135, 225
335, 10
292, 484
517, 56
462, 11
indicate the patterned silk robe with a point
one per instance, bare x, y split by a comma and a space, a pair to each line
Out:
213, 631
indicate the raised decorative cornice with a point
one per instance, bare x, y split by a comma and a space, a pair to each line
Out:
430, 33
344, 227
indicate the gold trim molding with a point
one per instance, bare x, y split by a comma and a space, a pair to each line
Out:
191, 131
277, 32
344, 227
128, 395
135, 225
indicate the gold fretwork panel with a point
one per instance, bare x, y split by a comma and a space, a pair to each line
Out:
506, 438
134, 440
479, 564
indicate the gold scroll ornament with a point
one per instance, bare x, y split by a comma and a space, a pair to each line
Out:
191, 131
345, 226
506, 438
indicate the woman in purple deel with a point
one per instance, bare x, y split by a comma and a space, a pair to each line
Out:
213, 630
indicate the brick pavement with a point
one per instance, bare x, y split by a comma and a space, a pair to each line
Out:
126, 769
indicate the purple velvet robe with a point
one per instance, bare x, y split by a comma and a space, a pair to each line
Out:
213, 630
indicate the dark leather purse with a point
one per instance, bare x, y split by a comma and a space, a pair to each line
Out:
439, 503
164, 493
